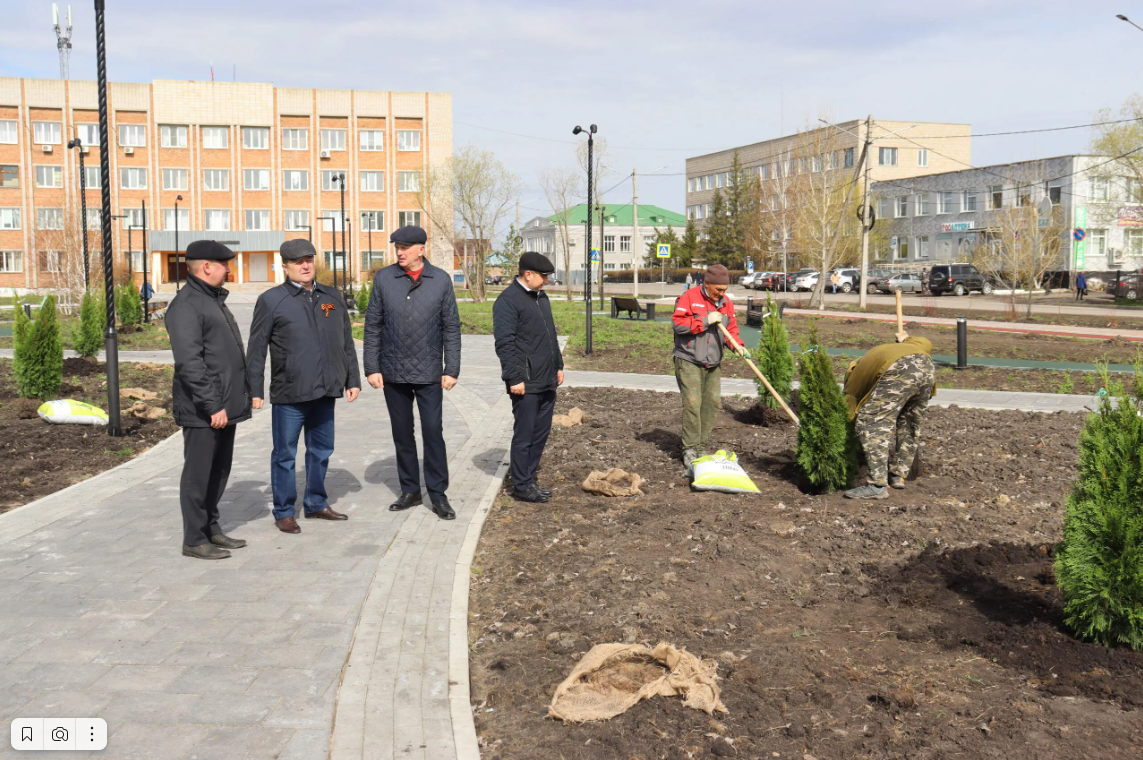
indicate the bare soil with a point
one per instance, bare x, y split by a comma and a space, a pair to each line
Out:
41, 458
923, 626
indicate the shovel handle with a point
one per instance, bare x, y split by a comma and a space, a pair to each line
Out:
738, 347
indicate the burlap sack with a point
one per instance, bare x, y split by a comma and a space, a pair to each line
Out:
612, 678
614, 482
138, 393
571, 419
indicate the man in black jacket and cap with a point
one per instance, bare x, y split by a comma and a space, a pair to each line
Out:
313, 359
532, 367
412, 350
210, 395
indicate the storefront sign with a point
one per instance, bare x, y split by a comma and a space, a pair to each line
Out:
1130, 216
956, 226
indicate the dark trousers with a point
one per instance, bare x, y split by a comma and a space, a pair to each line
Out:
207, 454
316, 418
1080, 293
429, 397
532, 415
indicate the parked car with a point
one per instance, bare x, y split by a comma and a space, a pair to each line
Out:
806, 281
762, 281
747, 280
959, 279
906, 282
1128, 287
770, 281
848, 279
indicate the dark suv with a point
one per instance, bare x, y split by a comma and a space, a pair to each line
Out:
958, 279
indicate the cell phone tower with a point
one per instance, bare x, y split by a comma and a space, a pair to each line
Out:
63, 40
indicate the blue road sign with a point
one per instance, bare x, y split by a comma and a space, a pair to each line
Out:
1079, 233
595, 255
664, 251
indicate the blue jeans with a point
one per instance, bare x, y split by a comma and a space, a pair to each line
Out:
316, 417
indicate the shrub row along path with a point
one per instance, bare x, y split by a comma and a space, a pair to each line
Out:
349, 639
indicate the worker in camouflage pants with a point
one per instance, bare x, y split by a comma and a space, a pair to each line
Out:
888, 391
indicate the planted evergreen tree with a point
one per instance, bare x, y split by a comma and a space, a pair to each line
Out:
88, 337
128, 304
40, 365
718, 247
1099, 563
774, 359
363, 296
827, 446
21, 327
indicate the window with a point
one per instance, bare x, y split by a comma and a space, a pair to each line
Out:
372, 259
775, 203
848, 158
217, 220
215, 137
625, 244
172, 136
709, 210
49, 176
9, 218
923, 249
49, 219
169, 219
333, 139
11, 262
408, 139
969, 201
883, 210
330, 179
923, 205
9, 175
295, 139
764, 171
1133, 243
408, 218
372, 139
133, 135
408, 182
922, 157
817, 165
175, 179
215, 179
718, 179
1055, 194
902, 206
50, 262
256, 138
1100, 189
295, 179
331, 221
133, 217
88, 134
372, 220
730, 179
46, 132
256, 179
948, 203
887, 156
297, 220
257, 220
995, 197
133, 178
1134, 190
1098, 242
609, 244
8, 133
690, 212
690, 184
777, 170
372, 182
902, 250
94, 218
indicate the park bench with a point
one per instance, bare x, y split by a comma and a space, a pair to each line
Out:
633, 308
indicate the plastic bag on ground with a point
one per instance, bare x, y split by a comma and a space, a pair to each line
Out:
614, 482
66, 411
720, 471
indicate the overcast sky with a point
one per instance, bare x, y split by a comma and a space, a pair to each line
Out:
663, 80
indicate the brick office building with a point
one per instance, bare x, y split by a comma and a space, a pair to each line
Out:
254, 164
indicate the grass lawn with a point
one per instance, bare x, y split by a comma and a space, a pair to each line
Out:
152, 337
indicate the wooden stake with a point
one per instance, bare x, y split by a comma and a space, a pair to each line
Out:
730, 339
900, 317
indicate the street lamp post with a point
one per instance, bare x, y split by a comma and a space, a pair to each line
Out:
178, 269
345, 289
587, 280
77, 143
1121, 17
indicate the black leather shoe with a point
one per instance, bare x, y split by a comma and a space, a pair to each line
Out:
226, 542
443, 510
405, 501
533, 496
205, 551
545, 491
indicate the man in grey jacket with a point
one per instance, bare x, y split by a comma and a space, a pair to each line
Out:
209, 395
313, 359
412, 351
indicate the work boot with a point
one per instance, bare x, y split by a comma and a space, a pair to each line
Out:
205, 551
896, 481
868, 491
226, 542
689, 455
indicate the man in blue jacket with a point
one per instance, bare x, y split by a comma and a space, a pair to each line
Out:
313, 360
532, 367
412, 351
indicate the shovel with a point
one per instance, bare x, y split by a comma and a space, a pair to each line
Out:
738, 347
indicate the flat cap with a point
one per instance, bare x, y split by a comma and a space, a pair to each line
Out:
208, 249
409, 235
531, 261
292, 250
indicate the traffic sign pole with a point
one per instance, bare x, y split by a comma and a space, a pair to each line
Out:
663, 252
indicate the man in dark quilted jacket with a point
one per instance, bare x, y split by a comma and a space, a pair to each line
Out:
412, 351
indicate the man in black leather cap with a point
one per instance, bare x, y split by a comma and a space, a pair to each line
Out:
532, 367
313, 359
412, 350
210, 395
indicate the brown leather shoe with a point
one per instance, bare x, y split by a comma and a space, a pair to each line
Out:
326, 514
288, 525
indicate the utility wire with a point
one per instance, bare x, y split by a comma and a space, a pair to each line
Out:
1030, 131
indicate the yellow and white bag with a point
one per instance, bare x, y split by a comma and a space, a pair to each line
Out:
720, 471
75, 412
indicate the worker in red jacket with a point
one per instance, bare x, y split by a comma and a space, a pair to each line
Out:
698, 356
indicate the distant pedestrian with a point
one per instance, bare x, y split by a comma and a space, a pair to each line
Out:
412, 351
690, 281
835, 281
313, 360
209, 394
146, 292
532, 367
699, 278
1081, 286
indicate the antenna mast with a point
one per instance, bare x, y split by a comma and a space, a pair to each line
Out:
63, 40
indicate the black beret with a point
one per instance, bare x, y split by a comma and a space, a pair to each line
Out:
536, 262
292, 250
208, 249
409, 236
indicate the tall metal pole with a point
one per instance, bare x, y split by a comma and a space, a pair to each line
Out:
345, 287
587, 279
178, 269
602, 212
77, 143
636, 238
146, 285
111, 343
865, 220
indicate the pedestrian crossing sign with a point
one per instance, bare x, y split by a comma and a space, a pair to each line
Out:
594, 255
664, 251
